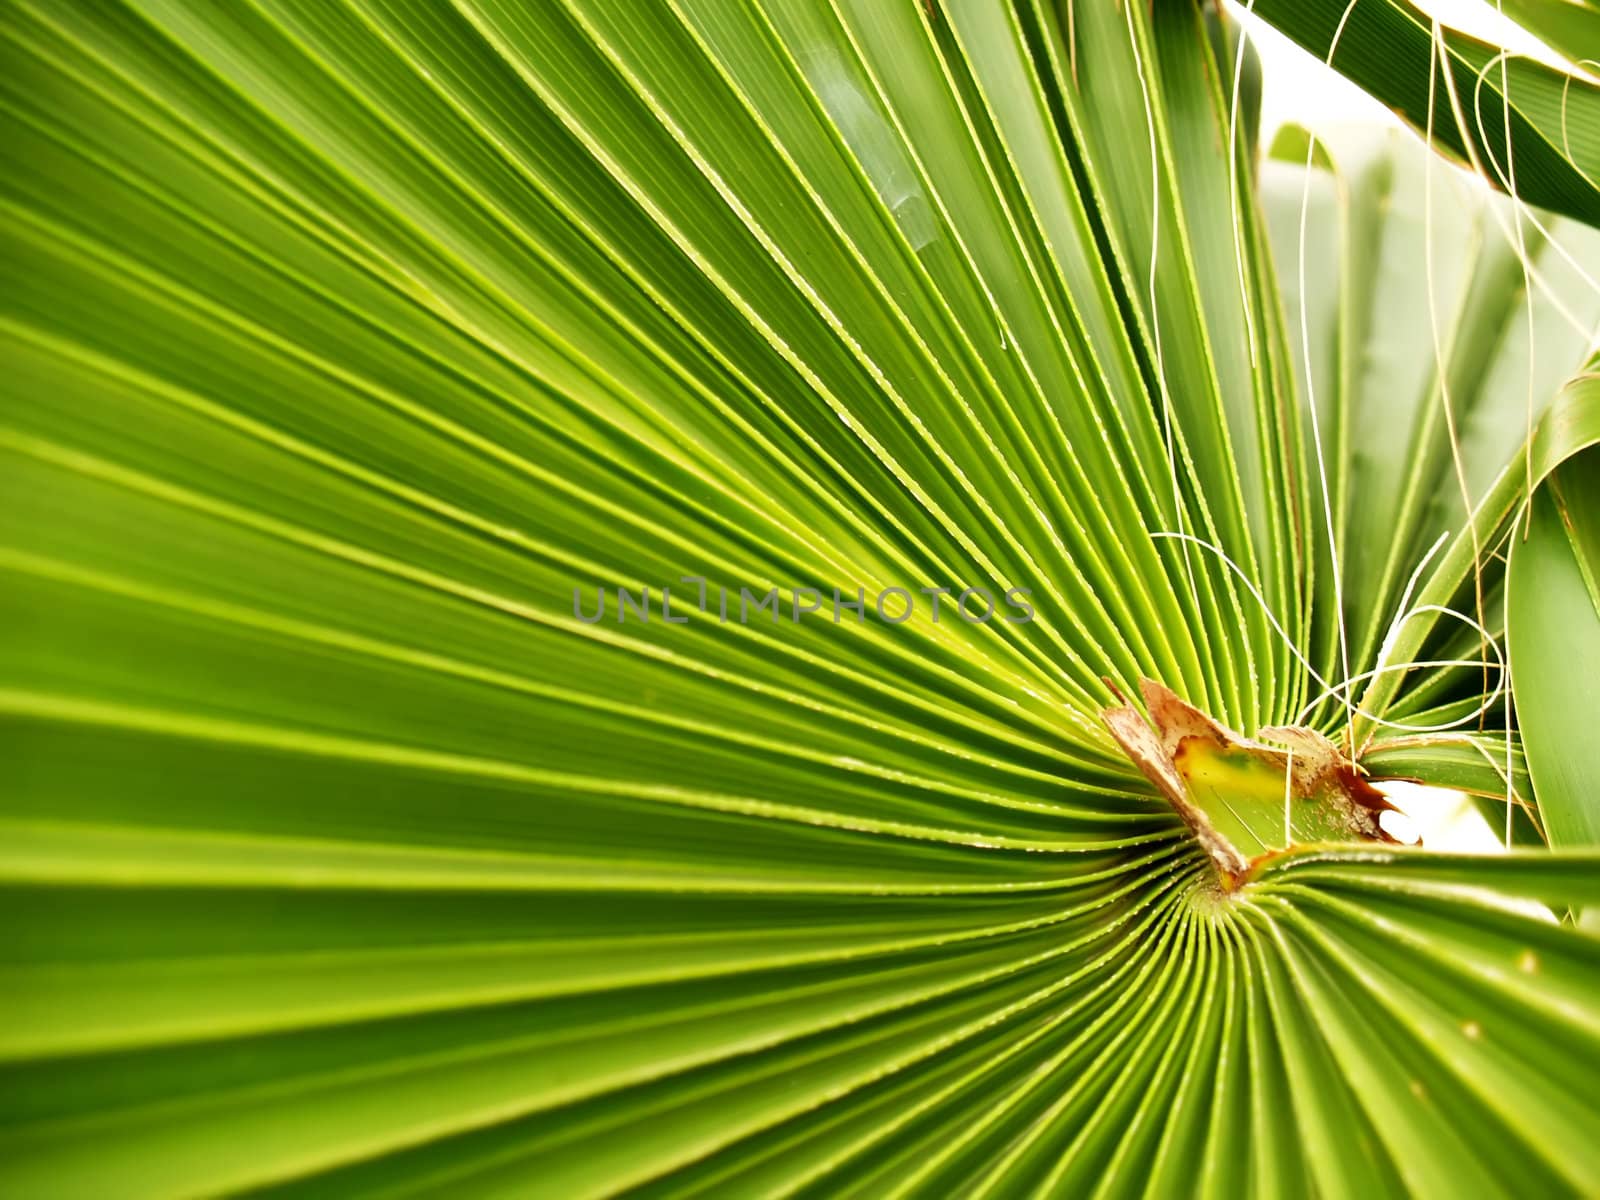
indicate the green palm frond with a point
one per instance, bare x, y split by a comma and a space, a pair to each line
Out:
351, 350
1554, 598
1523, 126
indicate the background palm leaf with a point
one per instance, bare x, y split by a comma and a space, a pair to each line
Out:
1555, 600
344, 342
1522, 125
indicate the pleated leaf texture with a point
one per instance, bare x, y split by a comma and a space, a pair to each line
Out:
351, 350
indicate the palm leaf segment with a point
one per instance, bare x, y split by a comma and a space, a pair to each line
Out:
344, 342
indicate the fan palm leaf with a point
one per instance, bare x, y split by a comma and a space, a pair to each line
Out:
354, 353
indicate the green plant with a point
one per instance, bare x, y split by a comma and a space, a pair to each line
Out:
343, 342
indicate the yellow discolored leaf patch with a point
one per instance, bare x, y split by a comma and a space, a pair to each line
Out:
1246, 799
